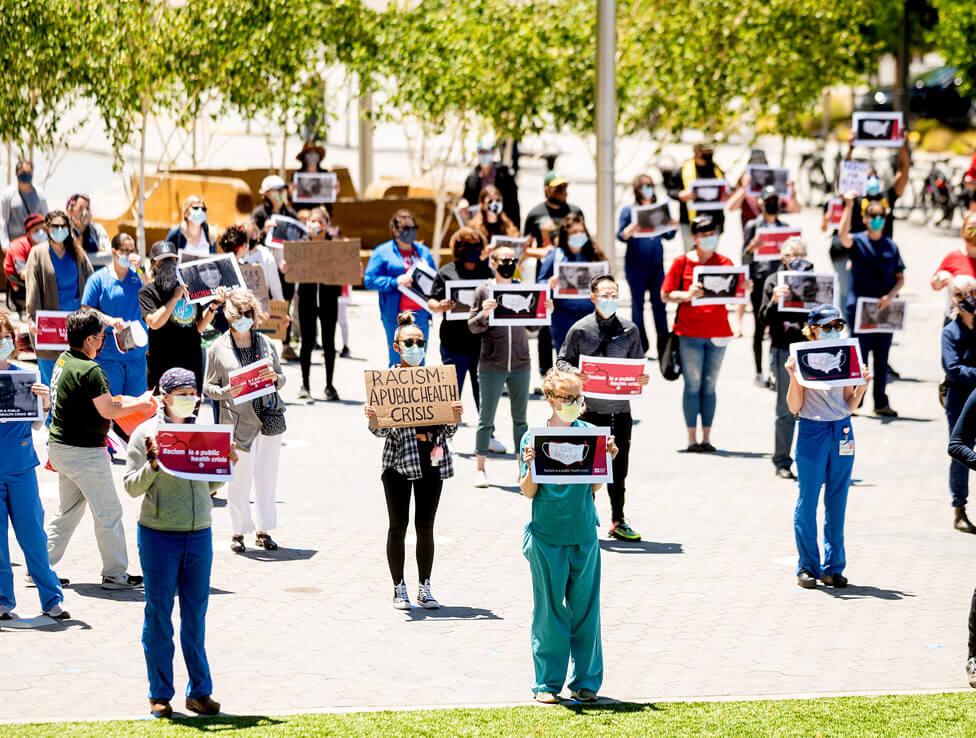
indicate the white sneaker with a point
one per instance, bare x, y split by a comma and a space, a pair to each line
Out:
760, 381
58, 613
496, 447
425, 599
971, 672
481, 479
401, 600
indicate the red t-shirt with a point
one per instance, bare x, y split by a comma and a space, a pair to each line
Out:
703, 321
405, 302
16, 257
958, 264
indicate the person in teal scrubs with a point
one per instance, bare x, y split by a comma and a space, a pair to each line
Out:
563, 551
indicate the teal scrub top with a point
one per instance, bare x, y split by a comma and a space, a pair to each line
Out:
562, 514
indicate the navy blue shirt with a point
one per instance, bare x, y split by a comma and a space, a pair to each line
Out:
874, 267
643, 253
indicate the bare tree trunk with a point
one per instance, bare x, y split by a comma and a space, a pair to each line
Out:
284, 149
141, 199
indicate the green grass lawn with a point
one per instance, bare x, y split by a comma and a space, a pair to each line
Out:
914, 715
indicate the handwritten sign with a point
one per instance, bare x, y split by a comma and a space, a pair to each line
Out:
256, 282
854, 176
412, 396
192, 451
52, 330
611, 378
276, 322
323, 262
249, 377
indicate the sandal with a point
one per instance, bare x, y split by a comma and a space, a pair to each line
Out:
264, 541
237, 544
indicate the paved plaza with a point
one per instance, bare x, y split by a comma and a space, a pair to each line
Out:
706, 606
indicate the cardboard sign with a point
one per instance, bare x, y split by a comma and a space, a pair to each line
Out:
17, 401
192, 451
519, 304
771, 240
203, 277
284, 229
256, 282
421, 284
249, 378
824, 364
652, 220
317, 187
573, 278
870, 318
710, 194
276, 322
761, 177
807, 290
612, 378
723, 285
52, 330
878, 129
464, 215
835, 211
461, 291
853, 176
405, 397
571, 456
323, 262
516, 244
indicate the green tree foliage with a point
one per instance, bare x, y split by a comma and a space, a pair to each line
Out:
955, 35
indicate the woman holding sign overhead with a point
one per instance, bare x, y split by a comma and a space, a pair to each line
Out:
824, 458
258, 423
416, 459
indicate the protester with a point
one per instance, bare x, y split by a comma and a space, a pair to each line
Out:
83, 408
413, 458
17, 201
20, 499
345, 297
959, 364
875, 193
572, 245
504, 363
785, 328
700, 166
176, 552
114, 293
175, 324
824, 458
492, 173
311, 161
838, 254
235, 239
960, 261
605, 333
703, 331
876, 271
90, 236
15, 259
192, 235
56, 276
491, 219
389, 268
274, 201
750, 206
563, 552
318, 304
644, 264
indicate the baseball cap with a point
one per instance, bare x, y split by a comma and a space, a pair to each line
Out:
823, 314
486, 144
702, 224
33, 220
272, 182
554, 180
163, 250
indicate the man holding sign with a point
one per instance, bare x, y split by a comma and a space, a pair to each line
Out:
603, 333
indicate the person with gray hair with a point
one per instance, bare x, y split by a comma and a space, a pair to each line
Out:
959, 364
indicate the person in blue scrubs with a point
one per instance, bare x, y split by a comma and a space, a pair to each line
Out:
563, 552
824, 458
114, 292
20, 500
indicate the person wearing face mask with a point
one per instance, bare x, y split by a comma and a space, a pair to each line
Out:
114, 293
644, 265
824, 459
750, 207
15, 260
491, 220
274, 201
388, 268
563, 551
176, 551
877, 270
312, 160
193, 234
700, 166
90, 236
82, 410
572, 245
237, 240
876, 192
785, 328
417, 460
960, 261
759, 271
703, 330
258, 424
20, 499
605, 333
175, 325
17, 202
492, 173
56, 275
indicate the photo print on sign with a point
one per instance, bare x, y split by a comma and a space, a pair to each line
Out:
652, 220
517, 244
807, 290
710, 194
877, 129
519, 304
771, 240
870, 317
722, 285
823, 364
573, 455
203, 277
761, 177
284, 229
573, 278
421, 284
17, 401
319, 187
461, 292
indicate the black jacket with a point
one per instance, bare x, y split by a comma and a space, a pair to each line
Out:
784, 328
505, 182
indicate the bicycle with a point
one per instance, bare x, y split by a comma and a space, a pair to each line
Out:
815, 186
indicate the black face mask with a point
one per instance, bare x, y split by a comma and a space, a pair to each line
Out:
799, 265
506, 269
771, 206
968, 305
470, 255
164, 275
707, 157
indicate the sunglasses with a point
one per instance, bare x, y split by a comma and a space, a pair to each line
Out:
493, 202
411, 342
836, 325
199, 207
567, 398
506, 262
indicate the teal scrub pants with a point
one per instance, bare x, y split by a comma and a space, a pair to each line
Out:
565, 614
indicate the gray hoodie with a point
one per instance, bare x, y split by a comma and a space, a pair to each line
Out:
503, 348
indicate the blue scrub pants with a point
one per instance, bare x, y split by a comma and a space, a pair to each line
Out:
46, 368
644, 279
565, 614
820, 464
176, 564
20, 501
423, 322
125, 377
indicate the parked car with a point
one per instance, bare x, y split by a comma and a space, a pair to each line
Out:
933, 94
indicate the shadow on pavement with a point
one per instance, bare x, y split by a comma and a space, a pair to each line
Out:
899, 419
738, 454
121, 595
452, 613
855, 592
43, 623
606, 704
282, 554
641, 547
223, 723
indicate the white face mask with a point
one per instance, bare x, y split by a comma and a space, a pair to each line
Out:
709, 243
577, 241
198, 216
242, 324
6, 348
484, 159
183, 406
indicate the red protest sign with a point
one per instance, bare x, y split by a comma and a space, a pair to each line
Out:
52, 330
249, 377
771, 242
611, 378
191, 451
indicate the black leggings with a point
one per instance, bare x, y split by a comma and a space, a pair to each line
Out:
427, 492
318, 301
760, 332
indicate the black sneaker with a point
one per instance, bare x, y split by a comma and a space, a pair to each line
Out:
834, 580
971, 671
61, 580
331, 395
806, 580
885, 412
126, 581
706, 448
345, 353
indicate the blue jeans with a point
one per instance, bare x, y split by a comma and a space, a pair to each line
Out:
701, 361
820, 464
642, 280
20, 501
464, 364
176, 564
423, 322
958, 473
127, 376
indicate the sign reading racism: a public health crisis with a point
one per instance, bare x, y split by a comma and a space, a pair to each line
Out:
412, 396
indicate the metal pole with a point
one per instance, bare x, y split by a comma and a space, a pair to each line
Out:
606, 124
365, 141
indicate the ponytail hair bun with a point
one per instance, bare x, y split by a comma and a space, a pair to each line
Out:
406, 318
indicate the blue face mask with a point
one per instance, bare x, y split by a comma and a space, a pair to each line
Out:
607, 306
59, 234
412, 355
647, 192
39, 237
6, 348
829, 334
242, 324
123, 261
577, 241
876, 223
198, 216
873, 186
709, 243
